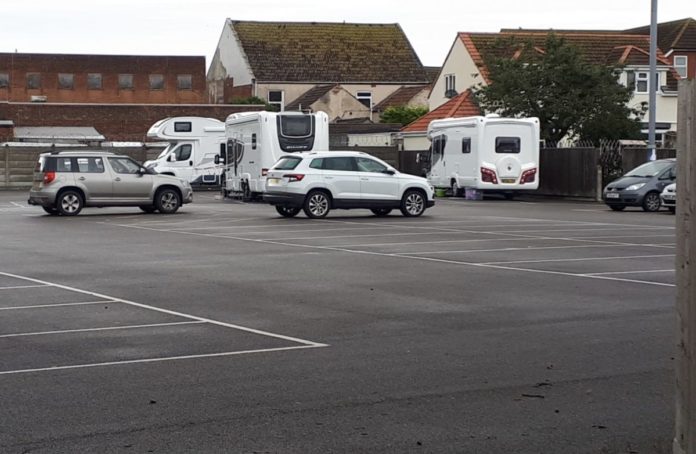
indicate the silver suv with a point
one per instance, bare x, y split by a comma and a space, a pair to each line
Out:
66, 181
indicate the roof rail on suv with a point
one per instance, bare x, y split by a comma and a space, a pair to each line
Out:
56, 152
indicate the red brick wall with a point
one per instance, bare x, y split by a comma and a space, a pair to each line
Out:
232, 92
109, 66
116, 122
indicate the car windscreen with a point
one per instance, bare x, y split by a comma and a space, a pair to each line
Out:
287, 163
650, 169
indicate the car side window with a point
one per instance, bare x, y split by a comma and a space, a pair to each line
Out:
316, 163
90, 165
370, 165
345, 164
64, 165
124, 165
183, 153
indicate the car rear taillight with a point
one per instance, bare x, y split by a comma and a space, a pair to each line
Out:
293, 177
528, 176
488, 176
264, 172
48, 177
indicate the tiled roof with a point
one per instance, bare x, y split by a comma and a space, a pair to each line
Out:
328, 52
599, 47
309, 97
678, 34
400, 97
432, 72
462, 105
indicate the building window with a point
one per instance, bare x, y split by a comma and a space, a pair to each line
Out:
156, 82
125, 81
184, 82
450, 86
681, 64
365, 98
94, 81
66, 81
641, 82
277, 98
33, 81
4, 80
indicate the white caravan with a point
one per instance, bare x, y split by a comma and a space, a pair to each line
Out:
193, 144
256, 140
488, 153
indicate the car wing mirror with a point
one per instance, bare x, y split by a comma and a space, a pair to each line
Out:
389, 171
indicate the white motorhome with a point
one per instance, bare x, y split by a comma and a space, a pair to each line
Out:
488, 153
256, 140
193, 144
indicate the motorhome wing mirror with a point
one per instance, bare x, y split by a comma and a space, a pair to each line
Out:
216, 160
170, 158
422, 157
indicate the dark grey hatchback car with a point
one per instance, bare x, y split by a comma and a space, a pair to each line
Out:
641, 186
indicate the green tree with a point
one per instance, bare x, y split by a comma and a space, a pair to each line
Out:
570, 96
402, 114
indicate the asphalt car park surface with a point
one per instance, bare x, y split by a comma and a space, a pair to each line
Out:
482, 326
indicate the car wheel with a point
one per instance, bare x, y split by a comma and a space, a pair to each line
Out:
672, 209
50, 210
651, 202
287, 212
148, 208
381, 211
69, 203
456, 189
317, 205
413, 203
617, 207
167, 201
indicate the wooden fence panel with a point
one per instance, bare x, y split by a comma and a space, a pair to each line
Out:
569, 172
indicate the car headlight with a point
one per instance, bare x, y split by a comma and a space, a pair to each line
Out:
635, 187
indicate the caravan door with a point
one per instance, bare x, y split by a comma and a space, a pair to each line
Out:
438, 167
462, 149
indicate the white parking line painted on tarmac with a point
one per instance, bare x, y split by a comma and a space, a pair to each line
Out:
510, 249
19, 205
429, 259
104, 328
671, 270
158, 360
584, 259
167, 311
16, 287
42, 306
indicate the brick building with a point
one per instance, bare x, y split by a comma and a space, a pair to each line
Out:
102, 79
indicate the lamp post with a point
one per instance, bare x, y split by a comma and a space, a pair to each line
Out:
652, 89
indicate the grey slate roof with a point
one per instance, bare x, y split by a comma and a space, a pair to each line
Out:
316, 52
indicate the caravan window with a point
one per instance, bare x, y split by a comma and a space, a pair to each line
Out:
466, 145
295, 126
507, 144
182, 126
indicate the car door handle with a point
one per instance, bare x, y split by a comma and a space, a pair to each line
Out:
365, 179
82, 178
190, 163
329, 178
117, 179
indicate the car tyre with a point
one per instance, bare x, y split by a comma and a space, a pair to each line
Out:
617, 207
413, 203
50, 210
651, 202
69, 203
381, 211
317, 205
148, 208
287, 212
167, 201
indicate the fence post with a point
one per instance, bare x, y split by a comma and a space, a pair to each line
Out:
685, 433
7, 168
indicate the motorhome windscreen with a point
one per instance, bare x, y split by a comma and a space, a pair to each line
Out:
295, 132
507, 144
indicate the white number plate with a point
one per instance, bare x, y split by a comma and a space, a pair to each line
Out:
612, 195
273, 181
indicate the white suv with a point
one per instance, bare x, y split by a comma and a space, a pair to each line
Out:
317, 182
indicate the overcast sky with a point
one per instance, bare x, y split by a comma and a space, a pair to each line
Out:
193, 27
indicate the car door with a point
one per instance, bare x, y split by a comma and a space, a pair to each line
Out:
129, 180
341, 178
375, 184
181, 161
93, 179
